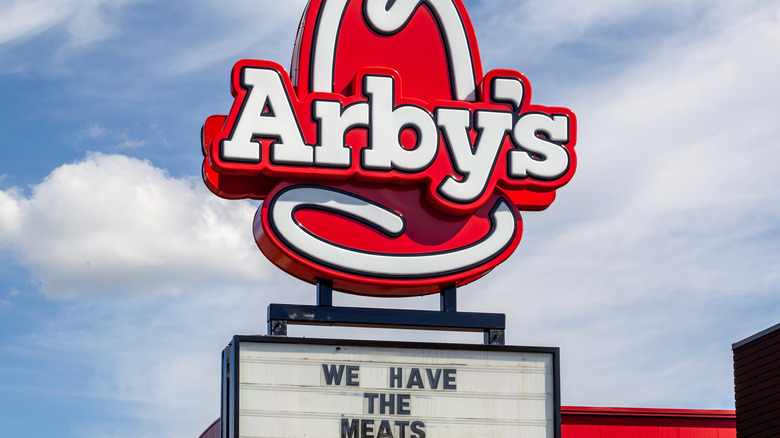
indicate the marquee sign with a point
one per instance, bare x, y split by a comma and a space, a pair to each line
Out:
388, 163
292, 387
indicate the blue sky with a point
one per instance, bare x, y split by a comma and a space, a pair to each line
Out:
122, 277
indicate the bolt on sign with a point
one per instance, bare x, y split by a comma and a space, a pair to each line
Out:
289, 388
388, 162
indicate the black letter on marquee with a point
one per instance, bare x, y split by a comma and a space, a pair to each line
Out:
403, 404
367, 429
417, 427
402, 428
349, 430
415, 379
371, 397
332, 373
384, 430
388, 402
352, 375
395, 377
433, 379
449, 379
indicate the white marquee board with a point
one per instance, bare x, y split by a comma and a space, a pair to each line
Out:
294, 388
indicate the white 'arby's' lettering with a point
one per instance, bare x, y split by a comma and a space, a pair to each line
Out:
268, 113
279, 122
334, 122
553, 159
387, 121
475, 162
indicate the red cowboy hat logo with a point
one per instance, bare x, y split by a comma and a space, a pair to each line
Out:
387, 162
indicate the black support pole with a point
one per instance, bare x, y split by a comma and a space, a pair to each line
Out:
324, 293
449, 299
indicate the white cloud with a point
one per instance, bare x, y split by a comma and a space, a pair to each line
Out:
122, 139
85, 20
246, 28
93, 131
131, 144
204, 33
29, 18
111, 224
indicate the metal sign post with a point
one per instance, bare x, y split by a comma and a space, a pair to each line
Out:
448, 318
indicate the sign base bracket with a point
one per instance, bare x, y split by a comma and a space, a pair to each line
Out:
493, 325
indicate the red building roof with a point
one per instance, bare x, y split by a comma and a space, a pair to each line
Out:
583, 422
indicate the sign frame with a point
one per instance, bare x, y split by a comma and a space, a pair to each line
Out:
231, 376
493, 325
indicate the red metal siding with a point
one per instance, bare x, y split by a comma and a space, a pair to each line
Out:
580, 422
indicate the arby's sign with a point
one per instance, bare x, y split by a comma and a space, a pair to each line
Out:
388, 162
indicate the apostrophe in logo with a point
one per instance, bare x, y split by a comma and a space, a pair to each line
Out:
387, 162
